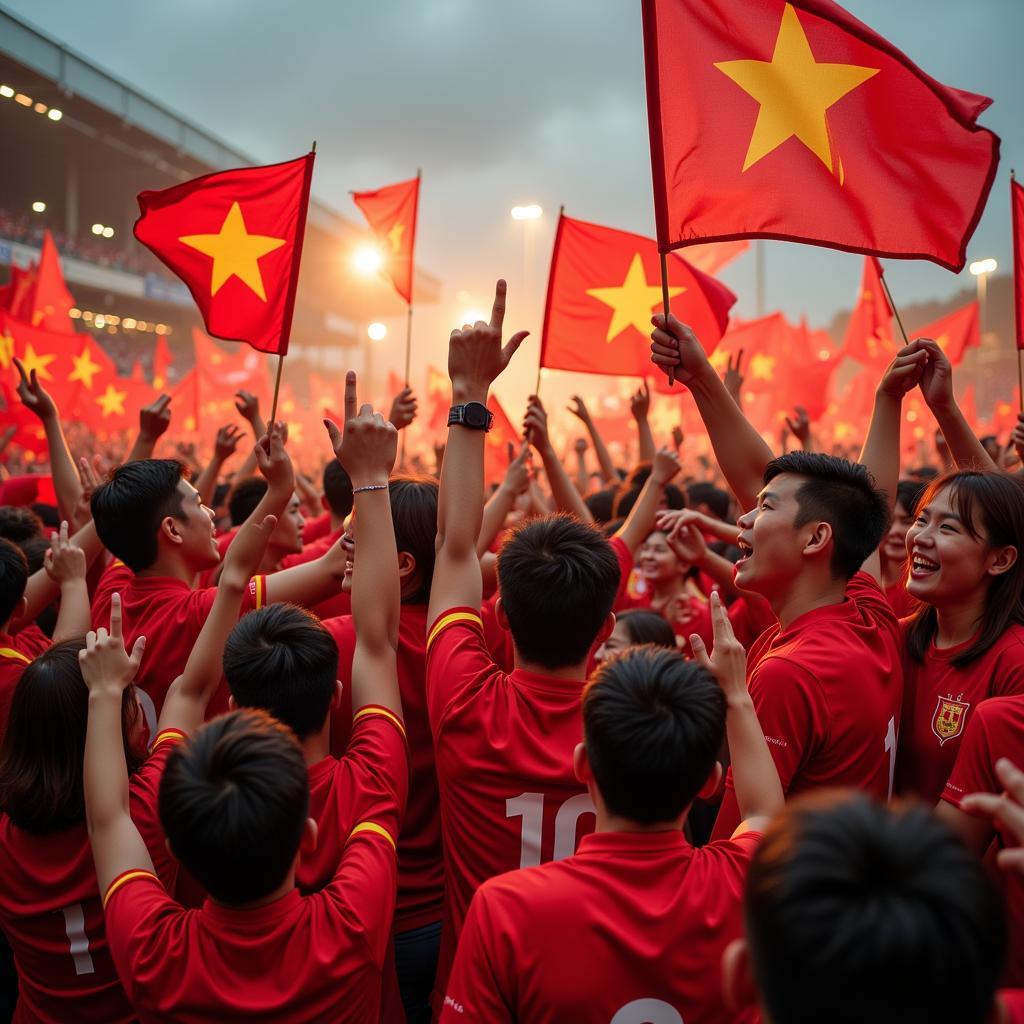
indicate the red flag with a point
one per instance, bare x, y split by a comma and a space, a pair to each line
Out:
12, 294
711, 258
161, 363
869, 332
1017, 206
603, 287
969, 407
502, 432
44, 300
955, 333
391, 212
235, 238
439, 399
797, 121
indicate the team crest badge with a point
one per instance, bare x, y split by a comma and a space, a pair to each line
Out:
948, 720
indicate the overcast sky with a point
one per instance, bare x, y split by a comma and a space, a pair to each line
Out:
502, 103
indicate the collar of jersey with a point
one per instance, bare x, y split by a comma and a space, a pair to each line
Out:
253, 917
550, 684
641, 842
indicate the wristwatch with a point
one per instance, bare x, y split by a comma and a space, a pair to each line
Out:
474, 415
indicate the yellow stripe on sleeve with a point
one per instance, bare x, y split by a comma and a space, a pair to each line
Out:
123, 879
168, 736
372, 826
13, 655
384, 713
449, 620
260, 594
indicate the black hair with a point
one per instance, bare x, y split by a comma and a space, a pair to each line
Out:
842, 494
283, 660
600, 504
244, 497
558, 579
628, 494
653, 724
233, 803
19, 524
129, 508
338, 489
860, 912
908, 493
715, 498
13, 578
414, 514
647, 627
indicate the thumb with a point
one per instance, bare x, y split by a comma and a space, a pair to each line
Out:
138, 649
700, 652
513, 344
268, 525
333, 432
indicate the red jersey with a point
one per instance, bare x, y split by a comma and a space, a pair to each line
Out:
938, 702
1013, 1003
632, 928
51, 913
750, 615
170, 615
996, 730
16, 652
692, 615
420, 862
317, 527
299, 959
899, 600
313, 549
827, 692
504, 745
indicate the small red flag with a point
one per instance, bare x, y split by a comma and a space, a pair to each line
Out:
235, 238
439, 399
45, 301
869, 333
161, 363
391, 212
797, 121
603, 287
1017, 205
498, 438
955, 333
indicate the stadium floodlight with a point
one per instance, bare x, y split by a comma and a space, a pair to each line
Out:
368, 259
55, 114
6, 91
979, 267
39, 206
377, 331
97, 229
40, 108
25, 101
470, 316
108, 232
531, 212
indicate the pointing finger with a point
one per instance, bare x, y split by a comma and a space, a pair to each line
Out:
350, 395
498, 309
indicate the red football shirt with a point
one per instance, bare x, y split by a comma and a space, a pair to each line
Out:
51, 913
420, 863
170, 615
503, 745
299, 959
899, 600
316, 527
313, 549
632, 929
751, 615
939, 701
827, 691
996, 730
1013, 1002
16, 652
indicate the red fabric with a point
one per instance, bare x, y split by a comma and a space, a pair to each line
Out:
503, 746
711, 258
603, 288
266, 204
823, 726
43, 299
901, 603
317, 527
1013, 1004
869, 337
313, 549
894, 165
439, 400
751, 615
631, 916
496, 442
48, 890
939, 702
955, 333
28, 490
161, 363
996, 730
1017, 207
391, 213
298, 959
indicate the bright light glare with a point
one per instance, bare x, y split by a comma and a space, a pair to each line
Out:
470, 316
368, 260
55, 114
6, 91
531, 212
979, 267
108, 232
97, 229
377, 331
39, 206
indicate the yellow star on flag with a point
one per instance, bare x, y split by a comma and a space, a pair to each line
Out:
295, 432
795, 92
32, 361
395, 237
6, 351
762, 367
235, 252
85, 369
633, 300
942, 341
112, 401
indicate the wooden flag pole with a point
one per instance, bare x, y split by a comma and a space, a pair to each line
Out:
665, 307
277, 388
892, 306
1017, 270
544, 326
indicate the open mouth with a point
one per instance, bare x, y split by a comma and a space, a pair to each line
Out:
921, 567
746, 549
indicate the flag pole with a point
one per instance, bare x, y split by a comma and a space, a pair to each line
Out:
408, 322
547, 302
1017, 270
665, 307
892, 306
277, 388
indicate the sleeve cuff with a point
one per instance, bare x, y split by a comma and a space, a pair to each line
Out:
470, 616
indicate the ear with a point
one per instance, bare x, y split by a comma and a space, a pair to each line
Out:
738, 985
232, 704
1005, 560
406, 565
309, 836
581, 764
819, 539
339, 689
500, 616
713, 783
21, 608
169, 530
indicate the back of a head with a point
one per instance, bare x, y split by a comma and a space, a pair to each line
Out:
647, 627
653, 724
842, 494
338, 489
414, 514
282, 660
861, 912
600, 505
558, 579
19, 524
130, 506
233, 803
13, 578
703, 493
244, 497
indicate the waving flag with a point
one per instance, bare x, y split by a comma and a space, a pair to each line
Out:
391, 212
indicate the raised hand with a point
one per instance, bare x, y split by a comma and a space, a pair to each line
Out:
535, 424
1007, 808
678, 437
936, 379
246, 551
800, 426
728, 661
665, 466
733, 377
476, 356
248, 405
33, 395
105, 664
905, 372
64, 559
640, 402
226, 442
517, 476
675, 347
403, 408
368, 445
273, 462
91, 475
579, 410
155, 418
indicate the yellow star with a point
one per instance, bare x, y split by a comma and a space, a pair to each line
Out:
719, 359
395, 237
85, 369
235, 252
632, 301
942, 341
190, 423
112, 401
39, 363
6, 351
762, 367
295, 432
794, 91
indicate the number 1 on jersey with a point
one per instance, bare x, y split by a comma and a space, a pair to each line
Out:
530, 807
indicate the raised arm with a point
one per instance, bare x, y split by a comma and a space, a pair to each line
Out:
758, 789
640, 520
475, 360
367, 448
66, 565
403, 408
739, 448
42, 589
107, 670
223, 448
604, 459
640, 406
685, 535
516, 482
154, 419
248, 406
567, 498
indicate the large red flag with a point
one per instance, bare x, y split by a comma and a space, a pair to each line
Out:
869, 333
955, 333
235, 238
1017, 208
44, 300
797, 121
391, 212
604, 286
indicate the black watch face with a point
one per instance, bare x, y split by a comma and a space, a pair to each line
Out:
475, 415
